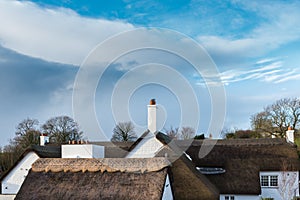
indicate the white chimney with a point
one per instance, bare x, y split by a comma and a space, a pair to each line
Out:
290, 135
44, 139
152, 116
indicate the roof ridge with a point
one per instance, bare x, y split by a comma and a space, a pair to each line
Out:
100, 164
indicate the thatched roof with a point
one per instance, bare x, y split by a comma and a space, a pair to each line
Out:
93, 185
127, 178
47, 151
242, 160
102, 164
188, 183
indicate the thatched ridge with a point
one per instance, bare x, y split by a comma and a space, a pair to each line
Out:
103, 164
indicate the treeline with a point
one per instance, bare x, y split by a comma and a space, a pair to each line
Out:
60, 130
273, 121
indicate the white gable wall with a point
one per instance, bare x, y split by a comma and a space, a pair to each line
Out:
167, 195
240, 197
288, 186
146, 148
7, 196
13, 181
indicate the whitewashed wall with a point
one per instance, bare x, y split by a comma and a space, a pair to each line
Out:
288, 185
82, 151
167, 195
7, 196
241, 197
13, 181
146, 148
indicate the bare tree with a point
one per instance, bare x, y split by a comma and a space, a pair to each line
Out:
62, 129
29, 138
124, 131
276, 118
172, 132
187, 133
26, 125
26, 134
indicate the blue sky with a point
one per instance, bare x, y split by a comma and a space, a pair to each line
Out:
255, 45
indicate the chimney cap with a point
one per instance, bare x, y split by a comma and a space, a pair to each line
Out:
152, 102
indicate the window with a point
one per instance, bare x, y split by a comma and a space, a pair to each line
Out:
273, 181
264, 180
269, 181
229, 197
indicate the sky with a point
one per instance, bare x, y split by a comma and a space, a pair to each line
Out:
255, 46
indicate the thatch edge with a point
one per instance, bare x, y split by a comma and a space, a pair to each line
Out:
140, 165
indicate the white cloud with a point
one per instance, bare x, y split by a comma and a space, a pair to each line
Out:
55, 34
278, 25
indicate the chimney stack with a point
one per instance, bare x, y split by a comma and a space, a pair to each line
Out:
152, 116
290, 135
44, 138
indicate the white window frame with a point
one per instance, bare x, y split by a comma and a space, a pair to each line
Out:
229, 197
269, 181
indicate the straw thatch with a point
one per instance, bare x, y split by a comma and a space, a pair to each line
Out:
189, 184
93, 185
102, 164
243, 159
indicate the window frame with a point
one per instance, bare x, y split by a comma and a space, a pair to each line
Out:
272, 181
229, 197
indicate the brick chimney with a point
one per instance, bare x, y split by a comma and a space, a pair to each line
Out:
152, 116
290, 135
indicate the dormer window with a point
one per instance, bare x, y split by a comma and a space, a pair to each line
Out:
211, 170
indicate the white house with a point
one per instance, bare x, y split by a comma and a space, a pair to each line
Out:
279, 184
147, 146
14, 178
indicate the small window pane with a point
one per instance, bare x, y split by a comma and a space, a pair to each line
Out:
274, 180
264, 181
226, 197
231, 197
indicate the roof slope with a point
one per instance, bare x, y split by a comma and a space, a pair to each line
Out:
93, 185
117, 178
163, 138
243, 159
41, 151
187, 183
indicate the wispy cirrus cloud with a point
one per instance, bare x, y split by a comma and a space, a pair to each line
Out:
266, 70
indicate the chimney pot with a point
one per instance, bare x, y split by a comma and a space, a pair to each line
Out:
152, 102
